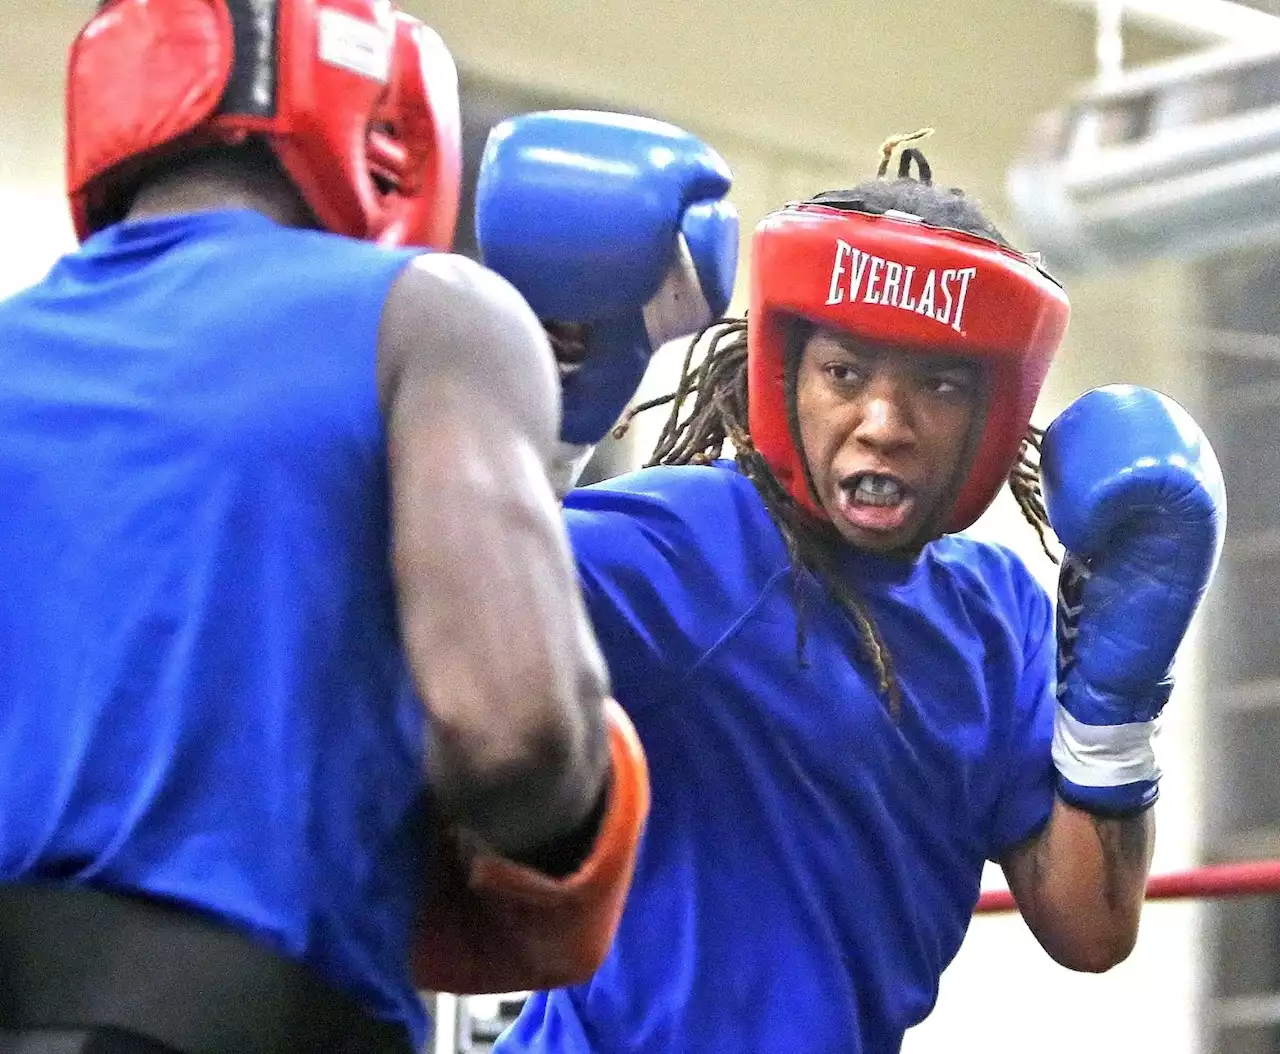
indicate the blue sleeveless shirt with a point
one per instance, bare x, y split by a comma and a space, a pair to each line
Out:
204, 694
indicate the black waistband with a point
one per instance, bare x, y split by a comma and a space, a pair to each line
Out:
78, 958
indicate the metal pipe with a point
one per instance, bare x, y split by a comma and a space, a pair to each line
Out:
1196, 21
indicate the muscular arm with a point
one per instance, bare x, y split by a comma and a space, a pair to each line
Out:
494, 628
1079, 884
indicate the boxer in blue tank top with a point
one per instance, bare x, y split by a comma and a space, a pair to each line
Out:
272, 494
849, 705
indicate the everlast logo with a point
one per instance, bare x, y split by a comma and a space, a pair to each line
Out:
939, 295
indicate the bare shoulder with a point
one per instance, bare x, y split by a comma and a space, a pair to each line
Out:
448, 315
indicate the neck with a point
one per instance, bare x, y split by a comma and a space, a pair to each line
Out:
212, 187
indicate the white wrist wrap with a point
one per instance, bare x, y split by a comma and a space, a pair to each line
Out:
567, 464
679, 308
1104, 755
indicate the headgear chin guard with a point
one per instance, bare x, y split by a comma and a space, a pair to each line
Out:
358, 102
894, 280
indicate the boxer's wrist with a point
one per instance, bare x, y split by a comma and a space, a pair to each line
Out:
1109, 770
565, 854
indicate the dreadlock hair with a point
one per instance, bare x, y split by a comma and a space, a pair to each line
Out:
716, 387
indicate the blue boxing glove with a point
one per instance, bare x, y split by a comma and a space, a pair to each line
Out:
616, 231
1135, 494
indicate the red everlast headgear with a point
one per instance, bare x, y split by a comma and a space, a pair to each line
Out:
358, 102
893, 279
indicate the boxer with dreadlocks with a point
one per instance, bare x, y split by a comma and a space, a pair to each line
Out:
820, 821
718, 385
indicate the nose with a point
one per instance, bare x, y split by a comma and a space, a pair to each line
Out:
886, 422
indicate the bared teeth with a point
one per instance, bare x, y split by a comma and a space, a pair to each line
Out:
877, 490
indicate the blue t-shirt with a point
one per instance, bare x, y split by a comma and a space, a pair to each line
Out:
204, 693
810, 865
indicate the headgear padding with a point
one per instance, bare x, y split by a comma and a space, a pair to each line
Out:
893, 280
358, 102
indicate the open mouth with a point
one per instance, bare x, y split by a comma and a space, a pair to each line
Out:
872, 488
875, 501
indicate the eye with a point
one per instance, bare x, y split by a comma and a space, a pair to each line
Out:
951, 382
843, 373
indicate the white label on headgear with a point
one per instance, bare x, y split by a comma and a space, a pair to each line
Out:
352, 44
936, 294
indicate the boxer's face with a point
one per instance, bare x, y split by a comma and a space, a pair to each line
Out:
883, 433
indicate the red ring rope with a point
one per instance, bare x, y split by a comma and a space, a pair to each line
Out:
1217, 880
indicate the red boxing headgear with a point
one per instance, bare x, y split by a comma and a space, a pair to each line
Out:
358, 102
894, 280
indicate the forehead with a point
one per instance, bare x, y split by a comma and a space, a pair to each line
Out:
828, 341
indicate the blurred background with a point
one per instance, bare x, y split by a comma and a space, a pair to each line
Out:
1138, 146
